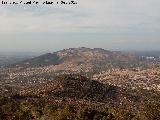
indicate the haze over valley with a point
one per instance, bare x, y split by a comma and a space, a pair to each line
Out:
94, 60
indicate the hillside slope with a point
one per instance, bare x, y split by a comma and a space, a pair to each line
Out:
77, 56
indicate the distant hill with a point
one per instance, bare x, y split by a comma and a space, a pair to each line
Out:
148, 53
77, 56
43, 60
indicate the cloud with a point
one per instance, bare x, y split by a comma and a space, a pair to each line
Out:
105, 14
121, 19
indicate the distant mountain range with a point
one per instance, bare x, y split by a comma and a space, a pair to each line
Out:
77, 56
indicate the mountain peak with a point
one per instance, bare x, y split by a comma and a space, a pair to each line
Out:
80, 55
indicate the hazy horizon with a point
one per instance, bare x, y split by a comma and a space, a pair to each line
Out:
40, 52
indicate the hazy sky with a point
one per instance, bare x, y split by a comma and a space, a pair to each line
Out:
109, 24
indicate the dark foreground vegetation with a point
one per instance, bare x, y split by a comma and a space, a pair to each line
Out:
24, 110
74, 97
